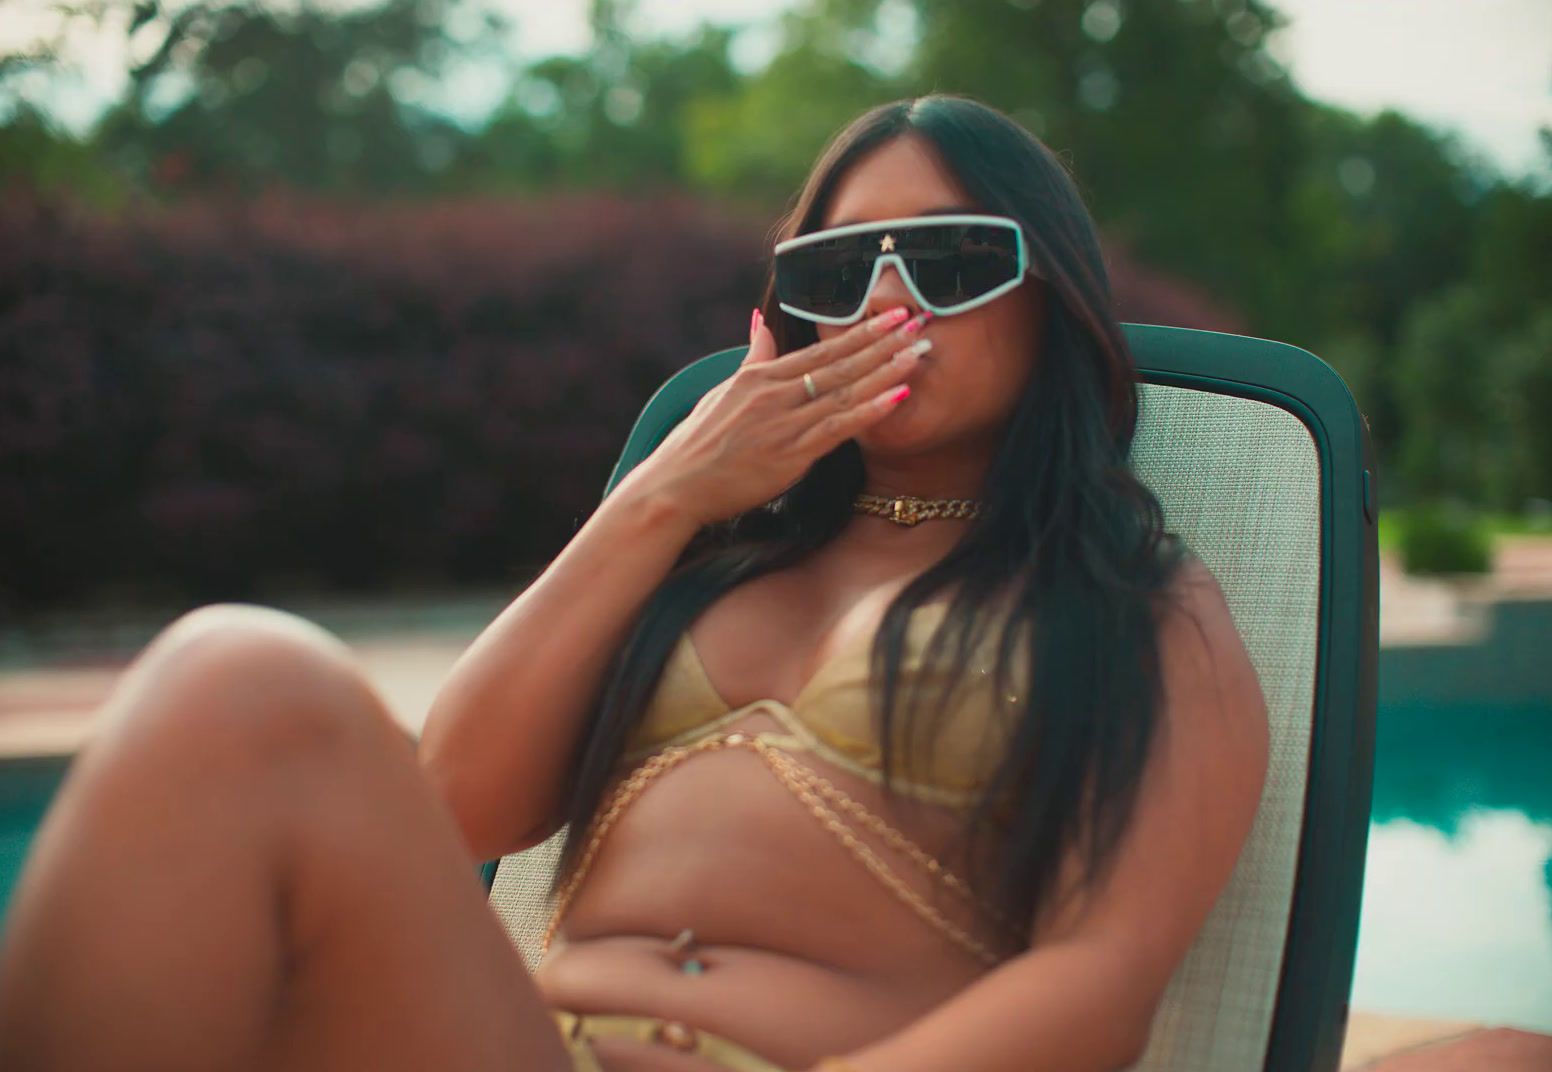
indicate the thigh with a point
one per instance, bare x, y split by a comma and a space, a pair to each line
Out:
396, 958
250, 851
399, 959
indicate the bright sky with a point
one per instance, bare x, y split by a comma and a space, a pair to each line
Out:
1481, 69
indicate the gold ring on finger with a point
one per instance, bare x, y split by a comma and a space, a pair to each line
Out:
810, 387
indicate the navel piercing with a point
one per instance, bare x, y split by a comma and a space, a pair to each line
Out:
681, 947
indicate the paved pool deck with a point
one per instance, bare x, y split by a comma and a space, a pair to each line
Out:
47, 708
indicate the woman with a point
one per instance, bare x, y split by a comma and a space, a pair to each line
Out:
993, 859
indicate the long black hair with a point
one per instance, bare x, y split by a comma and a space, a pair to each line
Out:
1070, 548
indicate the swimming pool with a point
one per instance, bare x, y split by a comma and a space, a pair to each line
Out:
1457, 909
1457, 896
25, 788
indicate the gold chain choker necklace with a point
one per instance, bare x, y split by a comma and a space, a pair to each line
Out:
909, 510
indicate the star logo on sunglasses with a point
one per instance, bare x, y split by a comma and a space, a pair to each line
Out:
886, 244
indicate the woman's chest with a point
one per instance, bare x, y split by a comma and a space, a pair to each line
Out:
769, 638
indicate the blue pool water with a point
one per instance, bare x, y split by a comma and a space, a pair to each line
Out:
1459, 926
25, 788
1457, 909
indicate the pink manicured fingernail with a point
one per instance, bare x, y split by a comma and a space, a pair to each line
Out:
901, 395
755, 320
889, 319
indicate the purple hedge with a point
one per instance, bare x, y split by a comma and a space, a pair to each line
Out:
200, 401
211, 400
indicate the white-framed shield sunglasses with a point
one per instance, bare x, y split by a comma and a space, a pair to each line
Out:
950, 263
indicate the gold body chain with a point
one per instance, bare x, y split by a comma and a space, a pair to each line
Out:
826, 802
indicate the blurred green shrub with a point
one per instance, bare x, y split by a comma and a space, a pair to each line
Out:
1440, 538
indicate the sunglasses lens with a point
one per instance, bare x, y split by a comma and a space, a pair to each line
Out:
950, 264
954, 265
828, 277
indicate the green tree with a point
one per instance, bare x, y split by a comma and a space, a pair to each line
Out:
1473, 368
1384, 211
1390, 204
1525, 385
244, 95
1451, 443
35, 154
613, 117
761, 142
1474, 393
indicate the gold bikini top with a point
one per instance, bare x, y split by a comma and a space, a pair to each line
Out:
831, 716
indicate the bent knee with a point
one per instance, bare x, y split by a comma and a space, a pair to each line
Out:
253, 627
254, 682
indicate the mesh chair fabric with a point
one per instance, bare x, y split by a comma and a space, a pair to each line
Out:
521, 895
1239, 480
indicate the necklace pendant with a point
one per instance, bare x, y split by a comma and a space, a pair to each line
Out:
908, 510
693, 966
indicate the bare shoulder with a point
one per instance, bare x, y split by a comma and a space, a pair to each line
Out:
1207, 671
1195, 594
1210, 762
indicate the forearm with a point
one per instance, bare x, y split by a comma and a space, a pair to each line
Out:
506, 720
1068, 1007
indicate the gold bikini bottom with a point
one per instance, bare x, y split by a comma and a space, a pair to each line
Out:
579, 1031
